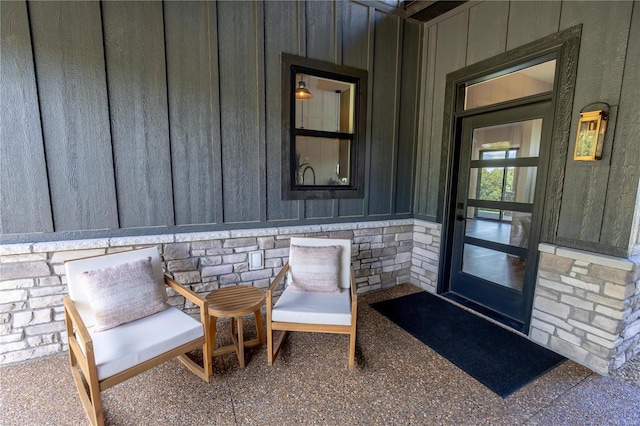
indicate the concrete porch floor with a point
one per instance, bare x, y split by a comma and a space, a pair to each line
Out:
397, 381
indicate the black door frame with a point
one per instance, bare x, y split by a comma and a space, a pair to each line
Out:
564, 46
509, 302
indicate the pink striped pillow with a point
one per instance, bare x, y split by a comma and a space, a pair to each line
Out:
123, 293
315, 269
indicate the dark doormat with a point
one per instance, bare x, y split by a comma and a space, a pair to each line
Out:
499, 359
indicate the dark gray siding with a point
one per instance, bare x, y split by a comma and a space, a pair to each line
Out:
384, 114
142, 117
21, 149
72, 95
194, 112
597, 199
281, 20
586, 183
137, 85
408, 118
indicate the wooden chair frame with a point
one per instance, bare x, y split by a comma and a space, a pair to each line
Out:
84, 361
273, 346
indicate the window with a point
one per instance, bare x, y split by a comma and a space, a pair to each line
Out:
528, 81
323, 128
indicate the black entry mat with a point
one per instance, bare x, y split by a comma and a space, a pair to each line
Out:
497, 358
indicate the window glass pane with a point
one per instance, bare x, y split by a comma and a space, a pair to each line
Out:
510, 184
511, 228
329, 109
519, 84
513, 140
322, 161
501, 268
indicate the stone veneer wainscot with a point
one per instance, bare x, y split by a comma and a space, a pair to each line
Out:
587, 307
32, 280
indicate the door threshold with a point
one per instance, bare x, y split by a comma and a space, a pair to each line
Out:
495, 316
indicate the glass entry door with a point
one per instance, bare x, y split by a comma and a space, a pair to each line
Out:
496, 224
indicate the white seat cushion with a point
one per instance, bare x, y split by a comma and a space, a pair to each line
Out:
130, 344
313, 308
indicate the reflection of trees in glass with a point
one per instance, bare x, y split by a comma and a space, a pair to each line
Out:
585, 143
491, 183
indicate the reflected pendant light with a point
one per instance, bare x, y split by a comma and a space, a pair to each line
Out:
302, 92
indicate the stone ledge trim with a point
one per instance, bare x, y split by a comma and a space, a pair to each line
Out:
595, 258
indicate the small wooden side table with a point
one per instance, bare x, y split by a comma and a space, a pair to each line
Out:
233, 303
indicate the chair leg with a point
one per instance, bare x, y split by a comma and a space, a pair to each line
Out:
269, 344
91, 401
259, 326
273, 346
352, 350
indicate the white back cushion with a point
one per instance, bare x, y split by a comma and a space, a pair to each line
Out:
345, 254
77, 291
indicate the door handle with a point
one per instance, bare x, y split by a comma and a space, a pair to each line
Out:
459, 217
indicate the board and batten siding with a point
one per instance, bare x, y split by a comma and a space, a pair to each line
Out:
127, 118
598, 199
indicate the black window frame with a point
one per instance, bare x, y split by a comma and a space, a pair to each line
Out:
291, 65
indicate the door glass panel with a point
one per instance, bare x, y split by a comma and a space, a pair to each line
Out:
500, 268
322, 161
526, 82
513, 140
512, 229
509, 184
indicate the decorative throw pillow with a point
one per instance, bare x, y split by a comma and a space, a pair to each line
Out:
315, 268
122, 293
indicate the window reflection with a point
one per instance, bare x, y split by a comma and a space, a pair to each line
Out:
501, 268
519, 84
331, 108
509, 184
322, 161
518, 140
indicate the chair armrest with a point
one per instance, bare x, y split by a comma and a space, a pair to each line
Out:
354, 293
278, 279
77, 324
188, 294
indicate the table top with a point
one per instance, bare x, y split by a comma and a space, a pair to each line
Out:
235, 301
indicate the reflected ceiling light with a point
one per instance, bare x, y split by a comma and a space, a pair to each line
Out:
302, 92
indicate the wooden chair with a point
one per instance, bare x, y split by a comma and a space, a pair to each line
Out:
112, 356
312, 311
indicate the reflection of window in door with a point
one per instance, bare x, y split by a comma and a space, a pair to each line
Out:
496, 183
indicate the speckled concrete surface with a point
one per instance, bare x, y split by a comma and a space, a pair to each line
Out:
398, 380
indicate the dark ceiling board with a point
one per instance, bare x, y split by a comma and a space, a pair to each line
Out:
414, 6
435, 9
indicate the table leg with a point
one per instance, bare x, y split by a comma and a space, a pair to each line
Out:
240, 343
213, 321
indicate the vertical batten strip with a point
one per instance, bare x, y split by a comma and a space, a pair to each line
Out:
216, 111
261, 107
168, 112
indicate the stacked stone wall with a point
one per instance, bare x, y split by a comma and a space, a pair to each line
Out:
587, 307
426, 255
33, 282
